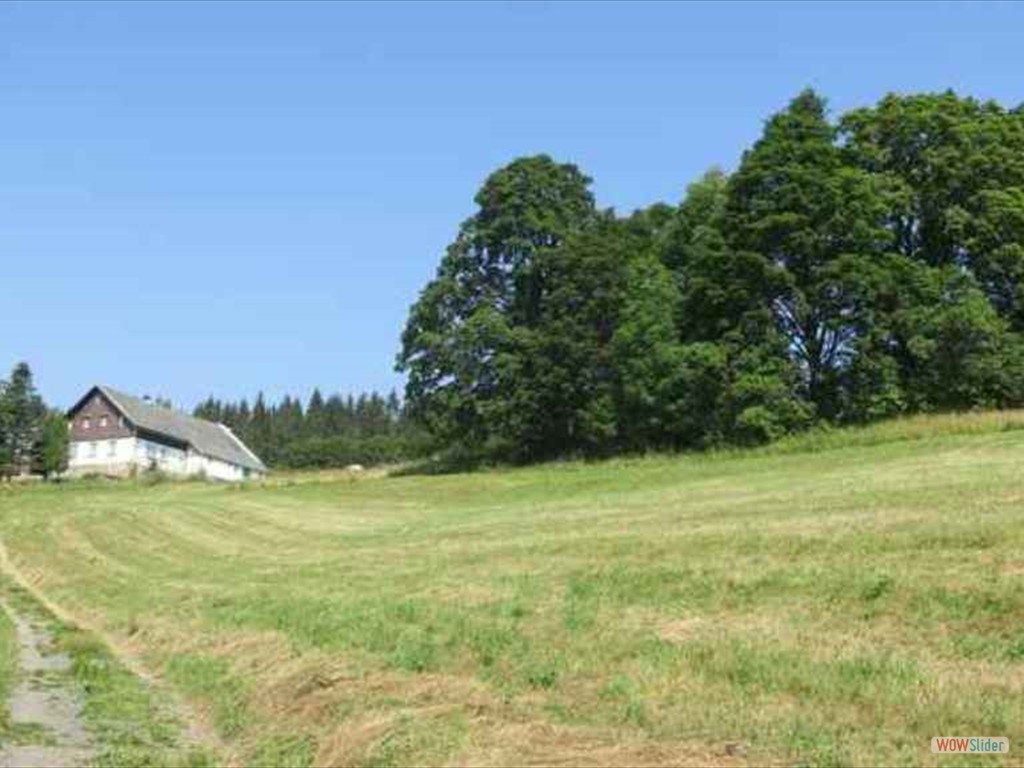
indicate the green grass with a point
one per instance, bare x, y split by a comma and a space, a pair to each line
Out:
834, 599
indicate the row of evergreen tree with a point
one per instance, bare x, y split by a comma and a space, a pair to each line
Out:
325, 432
848, 270
33, 438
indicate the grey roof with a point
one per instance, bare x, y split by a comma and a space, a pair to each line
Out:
205, 437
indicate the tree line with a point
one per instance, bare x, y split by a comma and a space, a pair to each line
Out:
849, 270
324, 432
33, 437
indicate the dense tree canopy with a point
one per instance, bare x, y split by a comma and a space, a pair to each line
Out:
847, 270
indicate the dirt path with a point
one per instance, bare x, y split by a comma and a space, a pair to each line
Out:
45, 708
197, 732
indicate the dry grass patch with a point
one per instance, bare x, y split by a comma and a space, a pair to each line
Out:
543, 744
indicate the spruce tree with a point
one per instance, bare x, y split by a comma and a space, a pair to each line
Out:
22, 415
316, 416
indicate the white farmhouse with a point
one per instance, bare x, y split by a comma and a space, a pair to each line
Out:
112, 433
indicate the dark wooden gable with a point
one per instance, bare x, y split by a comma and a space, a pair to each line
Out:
94, 417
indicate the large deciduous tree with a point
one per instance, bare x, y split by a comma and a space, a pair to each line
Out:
569, 390
470, 344
819, 226
962, 164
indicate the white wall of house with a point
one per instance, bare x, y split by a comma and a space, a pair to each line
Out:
215, 469
118, 457
102, 456
173, 461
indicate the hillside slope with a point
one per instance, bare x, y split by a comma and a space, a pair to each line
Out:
837, 599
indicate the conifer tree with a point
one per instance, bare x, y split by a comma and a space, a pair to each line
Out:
316, 416
21, 416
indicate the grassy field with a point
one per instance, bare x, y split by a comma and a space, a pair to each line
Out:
835, 599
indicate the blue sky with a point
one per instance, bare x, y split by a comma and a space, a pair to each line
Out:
203, 198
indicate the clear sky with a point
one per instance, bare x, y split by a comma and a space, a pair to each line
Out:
203, 198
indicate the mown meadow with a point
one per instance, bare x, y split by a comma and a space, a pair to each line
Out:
835, 599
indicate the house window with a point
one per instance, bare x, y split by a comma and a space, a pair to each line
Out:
92, 450
120, 421
111, 447
86, 423
103, 421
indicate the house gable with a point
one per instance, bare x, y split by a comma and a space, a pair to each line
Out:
95, 417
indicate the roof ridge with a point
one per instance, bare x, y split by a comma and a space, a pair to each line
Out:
150, 404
